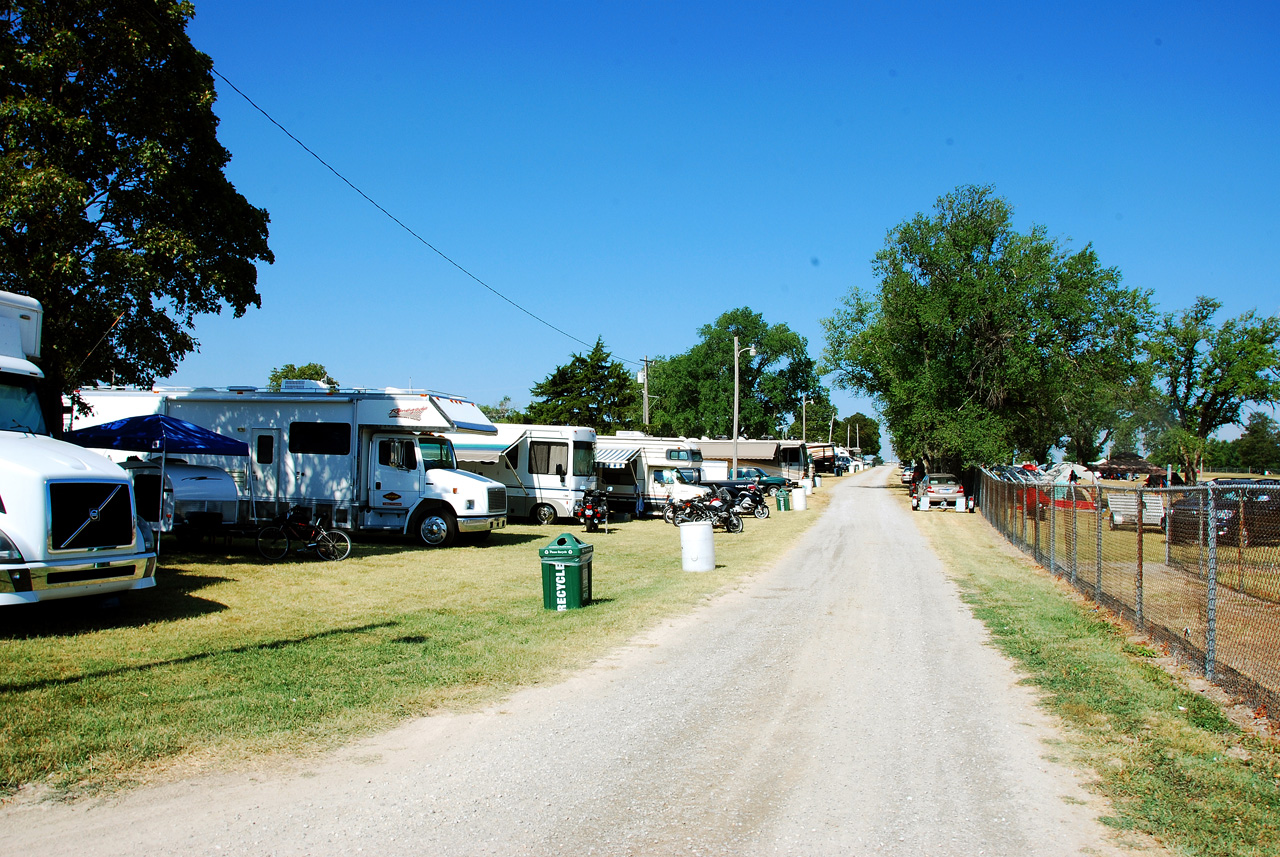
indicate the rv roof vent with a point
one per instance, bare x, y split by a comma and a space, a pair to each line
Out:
303, 385
630, 434
243, 389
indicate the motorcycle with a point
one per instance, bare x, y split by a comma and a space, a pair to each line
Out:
750, 501
716, 509
592, 510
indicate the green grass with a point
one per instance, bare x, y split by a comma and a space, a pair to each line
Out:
230, 657
1172, 764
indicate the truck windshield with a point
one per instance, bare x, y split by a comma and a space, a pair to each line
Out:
19, 407
437, 454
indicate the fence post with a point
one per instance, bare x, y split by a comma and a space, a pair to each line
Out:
1137, 581
1035, 527
1053, 530
1211, 629
1075, 546
1097, 520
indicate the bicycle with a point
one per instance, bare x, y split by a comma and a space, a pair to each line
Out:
275, 539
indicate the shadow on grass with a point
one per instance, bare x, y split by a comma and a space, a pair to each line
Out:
193, 658
171, 599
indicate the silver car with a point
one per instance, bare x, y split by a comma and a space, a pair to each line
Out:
938, 489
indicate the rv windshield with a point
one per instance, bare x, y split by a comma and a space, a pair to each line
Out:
19, 407
437, 454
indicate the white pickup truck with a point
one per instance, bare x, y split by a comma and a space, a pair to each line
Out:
67, 521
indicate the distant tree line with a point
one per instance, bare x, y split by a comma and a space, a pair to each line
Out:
982, 343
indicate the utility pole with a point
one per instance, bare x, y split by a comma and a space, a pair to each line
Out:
645, 417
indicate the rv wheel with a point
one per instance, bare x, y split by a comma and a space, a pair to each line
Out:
435, 528
543, 514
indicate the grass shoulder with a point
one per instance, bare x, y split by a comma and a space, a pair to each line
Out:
1170, 761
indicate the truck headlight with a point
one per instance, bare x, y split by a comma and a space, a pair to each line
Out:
8, 550
146, 535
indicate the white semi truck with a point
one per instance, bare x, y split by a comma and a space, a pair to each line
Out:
68, 526
367, 460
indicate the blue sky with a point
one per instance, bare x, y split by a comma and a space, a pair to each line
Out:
632, 170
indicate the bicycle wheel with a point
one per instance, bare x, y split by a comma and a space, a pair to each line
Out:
273, 543
333, 545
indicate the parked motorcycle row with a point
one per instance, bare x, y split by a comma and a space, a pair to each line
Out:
722, 509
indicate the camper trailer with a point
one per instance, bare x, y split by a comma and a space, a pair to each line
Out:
646, 470
68, 526
365, 460
546, 469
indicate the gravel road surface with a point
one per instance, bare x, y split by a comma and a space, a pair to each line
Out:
844, 702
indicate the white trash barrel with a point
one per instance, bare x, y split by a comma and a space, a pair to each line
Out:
817, 481
807, 484
799, 500
697, 548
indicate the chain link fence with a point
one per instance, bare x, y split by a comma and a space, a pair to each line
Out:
1197, 568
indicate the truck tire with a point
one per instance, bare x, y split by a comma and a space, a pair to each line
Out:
435, 528
771, 491
543, 514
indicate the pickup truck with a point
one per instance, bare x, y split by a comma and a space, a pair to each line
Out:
745, 476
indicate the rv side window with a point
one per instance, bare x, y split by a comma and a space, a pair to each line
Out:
677, 455
320, 438
397, 453
266, 453
544, 457
584, 458
695, 455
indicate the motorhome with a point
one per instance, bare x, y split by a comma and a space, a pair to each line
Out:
645, 470
786, 458
365, 460
546, 469
68, 526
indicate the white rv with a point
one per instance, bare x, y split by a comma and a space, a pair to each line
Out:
647, 470
545, 469
365, 460
68, 526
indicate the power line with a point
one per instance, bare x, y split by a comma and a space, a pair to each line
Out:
371, 200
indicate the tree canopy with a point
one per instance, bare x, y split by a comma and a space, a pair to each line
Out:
981, 341
1208, 373
115, 212
692, 393
592, 390
305, 372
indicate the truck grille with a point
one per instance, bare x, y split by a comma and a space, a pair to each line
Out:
90, 515
497, 500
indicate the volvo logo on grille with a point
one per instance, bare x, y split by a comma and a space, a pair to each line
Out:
95, 514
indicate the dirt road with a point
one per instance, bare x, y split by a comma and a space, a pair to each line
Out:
843, 703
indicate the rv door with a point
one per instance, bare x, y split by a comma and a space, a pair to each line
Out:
264, 463
395, 472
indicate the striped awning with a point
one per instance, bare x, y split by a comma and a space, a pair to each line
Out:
615, 457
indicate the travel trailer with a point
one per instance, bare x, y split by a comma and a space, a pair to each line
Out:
646, 470
365, 460
546, 469
68, 526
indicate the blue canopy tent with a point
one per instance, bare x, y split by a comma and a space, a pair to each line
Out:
159, 434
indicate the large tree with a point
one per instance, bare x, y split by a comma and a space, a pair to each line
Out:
1259, 446
980, 340
693, 391
1208, 373
591, 390
114, 209
859, 429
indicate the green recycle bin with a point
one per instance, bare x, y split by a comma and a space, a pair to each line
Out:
566, 573
783, 498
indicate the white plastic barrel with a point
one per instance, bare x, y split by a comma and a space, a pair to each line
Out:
799, 500
807, 484
817, 481
697, 548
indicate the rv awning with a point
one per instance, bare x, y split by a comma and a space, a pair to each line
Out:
753, 450
615, 457
465, 416
479, 450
